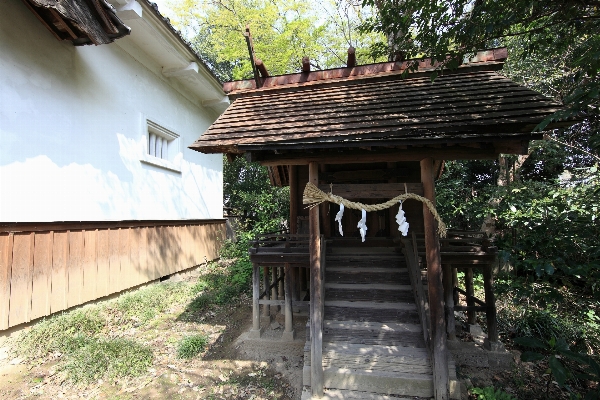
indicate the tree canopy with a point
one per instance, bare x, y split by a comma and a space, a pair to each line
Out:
562, 36
283, 32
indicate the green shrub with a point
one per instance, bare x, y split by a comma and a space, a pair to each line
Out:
107, 358
191, 346
489, 393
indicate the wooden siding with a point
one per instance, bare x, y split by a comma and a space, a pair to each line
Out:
45, 270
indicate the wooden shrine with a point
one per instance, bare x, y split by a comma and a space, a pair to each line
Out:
369, 133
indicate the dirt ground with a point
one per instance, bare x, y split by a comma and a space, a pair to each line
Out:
233, 366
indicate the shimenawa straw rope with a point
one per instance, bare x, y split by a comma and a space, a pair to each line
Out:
313, 196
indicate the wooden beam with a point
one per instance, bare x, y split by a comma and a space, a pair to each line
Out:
354, 157
391, 174
373, 190
305, 64
261, 68
351, 61
441, 383
316, 318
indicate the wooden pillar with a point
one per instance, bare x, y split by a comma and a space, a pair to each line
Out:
293, 175
266, 308
288, 333
280, 287
316, 318
274, 294
490, 302
324, 209
392, 211
441, 384
255, 331
455, 285
471, 316
449, 300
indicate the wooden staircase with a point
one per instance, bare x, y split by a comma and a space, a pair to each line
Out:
373, 343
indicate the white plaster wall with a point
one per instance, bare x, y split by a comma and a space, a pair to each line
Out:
72, 133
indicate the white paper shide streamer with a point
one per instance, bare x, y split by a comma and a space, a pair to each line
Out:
401, 220
338, 218
362, 225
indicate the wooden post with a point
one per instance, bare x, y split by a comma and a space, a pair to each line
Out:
266, 311
288, 333
324, 210
455, 284
392, 211
449, 299
255, 331
471, 316
274, 294
293, 176
441, 383
316, 318
293, 179
280, 287
490, 302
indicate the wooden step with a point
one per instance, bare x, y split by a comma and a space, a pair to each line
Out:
371, 311
373, 333
366, 275
368, 292
337, 394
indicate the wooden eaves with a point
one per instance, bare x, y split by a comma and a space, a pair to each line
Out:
79, 21
472, 112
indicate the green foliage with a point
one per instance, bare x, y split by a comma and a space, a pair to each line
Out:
563, 364
63, 333
113, 358
563, 35
191, 346
489, 393
283, 32
248, 191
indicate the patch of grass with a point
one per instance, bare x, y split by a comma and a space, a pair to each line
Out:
64, 333
191, 346
112, 358
146, 303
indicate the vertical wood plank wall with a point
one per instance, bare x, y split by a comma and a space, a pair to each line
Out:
46, 270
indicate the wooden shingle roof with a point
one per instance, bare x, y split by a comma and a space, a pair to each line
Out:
383, 109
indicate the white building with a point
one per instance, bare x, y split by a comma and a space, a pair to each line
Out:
98, 190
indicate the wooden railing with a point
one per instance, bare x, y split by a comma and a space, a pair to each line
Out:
467, 250
281, 256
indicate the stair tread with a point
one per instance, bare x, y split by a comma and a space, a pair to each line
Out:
342, 394
371, 304
367, 286
356, 269
373, 326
